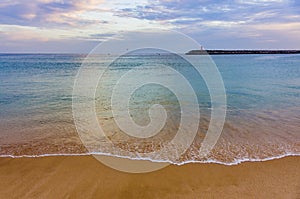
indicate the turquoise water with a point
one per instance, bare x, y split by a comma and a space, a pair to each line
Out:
263, 105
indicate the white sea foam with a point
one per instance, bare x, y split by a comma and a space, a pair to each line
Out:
210, 161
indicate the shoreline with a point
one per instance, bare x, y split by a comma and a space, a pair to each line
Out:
85, 177
237, 162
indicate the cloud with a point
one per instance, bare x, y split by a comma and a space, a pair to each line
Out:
13, 36
168, 10
180, 11
225, 20
213, 23
47, 13
31, 42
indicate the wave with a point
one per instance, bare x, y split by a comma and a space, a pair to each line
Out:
209, 161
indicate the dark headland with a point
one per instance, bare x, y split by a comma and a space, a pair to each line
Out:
232, 52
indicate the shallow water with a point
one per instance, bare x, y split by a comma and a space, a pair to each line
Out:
262, 122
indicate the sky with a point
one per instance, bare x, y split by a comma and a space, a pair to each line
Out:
77, 26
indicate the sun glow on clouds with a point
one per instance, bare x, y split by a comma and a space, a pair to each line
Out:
225, 24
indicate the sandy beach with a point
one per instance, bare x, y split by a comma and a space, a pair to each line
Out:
85, 177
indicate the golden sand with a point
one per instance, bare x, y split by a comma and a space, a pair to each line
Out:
85, 177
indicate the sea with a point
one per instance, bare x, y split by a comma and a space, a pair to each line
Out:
262, 119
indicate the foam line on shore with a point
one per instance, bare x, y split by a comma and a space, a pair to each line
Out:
236, 162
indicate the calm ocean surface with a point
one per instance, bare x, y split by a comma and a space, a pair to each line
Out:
263, 106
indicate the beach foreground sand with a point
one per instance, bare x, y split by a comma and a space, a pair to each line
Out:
85, 177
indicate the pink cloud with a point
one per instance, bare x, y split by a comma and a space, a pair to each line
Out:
43, 13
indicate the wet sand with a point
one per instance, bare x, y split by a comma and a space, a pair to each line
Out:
85, 177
